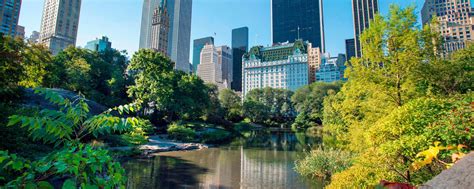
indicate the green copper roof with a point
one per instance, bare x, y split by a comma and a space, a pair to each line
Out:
277, 52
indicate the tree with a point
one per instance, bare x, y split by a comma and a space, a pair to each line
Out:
308, 102
269, 106
10, 65
232, 105
168, 94
80, 165
36, 59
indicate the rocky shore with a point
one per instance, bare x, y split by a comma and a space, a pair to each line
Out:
158, 144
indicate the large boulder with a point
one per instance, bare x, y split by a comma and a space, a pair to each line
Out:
461, 176
29, 98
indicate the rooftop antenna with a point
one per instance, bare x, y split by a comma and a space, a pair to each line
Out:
298, 32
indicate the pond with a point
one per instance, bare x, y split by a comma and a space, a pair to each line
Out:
261, 159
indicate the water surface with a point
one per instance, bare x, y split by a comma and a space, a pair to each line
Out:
259, 160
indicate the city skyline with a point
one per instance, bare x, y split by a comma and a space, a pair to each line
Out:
93, 21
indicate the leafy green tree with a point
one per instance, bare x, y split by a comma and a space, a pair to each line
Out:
269, 106
11, 69
169, 94
36, 59
79, 164
308, 102
232, 105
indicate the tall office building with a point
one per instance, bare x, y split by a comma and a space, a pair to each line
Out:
240, 43
179, 32
179, 40
99, 45
198, 45
456, 21
160, 28
20, 31
59, 24
225, 59
363, 11
9, 15
214, 66
350, 49
298, 19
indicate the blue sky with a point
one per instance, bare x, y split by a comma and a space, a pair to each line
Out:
120, 20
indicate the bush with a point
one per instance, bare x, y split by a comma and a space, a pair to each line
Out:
321, 163
215, 136
179, 132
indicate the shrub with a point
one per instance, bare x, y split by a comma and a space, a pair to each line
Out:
215, 136
321, 163
179, 132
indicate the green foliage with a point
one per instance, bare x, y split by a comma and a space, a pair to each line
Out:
308, 102
394, 104
181, 133
269, 106
215, 136
322, 163
99, 76
232, 105
170, 94
10, 65
82, 165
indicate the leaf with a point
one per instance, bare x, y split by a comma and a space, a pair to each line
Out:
45, 185
88, 186
69, 184
17, 165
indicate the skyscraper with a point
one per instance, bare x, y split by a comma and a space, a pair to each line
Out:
59, 24
34, 37
225, 59
363, 11
198, 45
160, 28
350, 48
298, 19
20, 31
99, 45
214, 62
179, 40
179, 32
9, 15
456, 21
240, 43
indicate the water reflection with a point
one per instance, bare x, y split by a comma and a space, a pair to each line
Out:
264, 160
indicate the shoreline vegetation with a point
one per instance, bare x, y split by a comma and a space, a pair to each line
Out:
403, 116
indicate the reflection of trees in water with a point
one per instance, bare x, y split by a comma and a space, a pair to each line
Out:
284, 141
162, 172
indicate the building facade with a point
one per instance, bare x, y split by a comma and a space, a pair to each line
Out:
160, 28
99, 45
363, 11
350, 49
34, 37
210, 70
9, 16
198, 45
456, 21
331, 69
240, 43
179, 29
59, 24
20, 32
179, 37
283, 66
225, 59
298, 19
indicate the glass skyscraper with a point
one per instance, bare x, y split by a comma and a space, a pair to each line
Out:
240, 43
99, 45
350, 48
9, 15
298, 19
198, 45
363, 12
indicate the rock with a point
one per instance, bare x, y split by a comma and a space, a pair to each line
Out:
29, 98
461, 176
